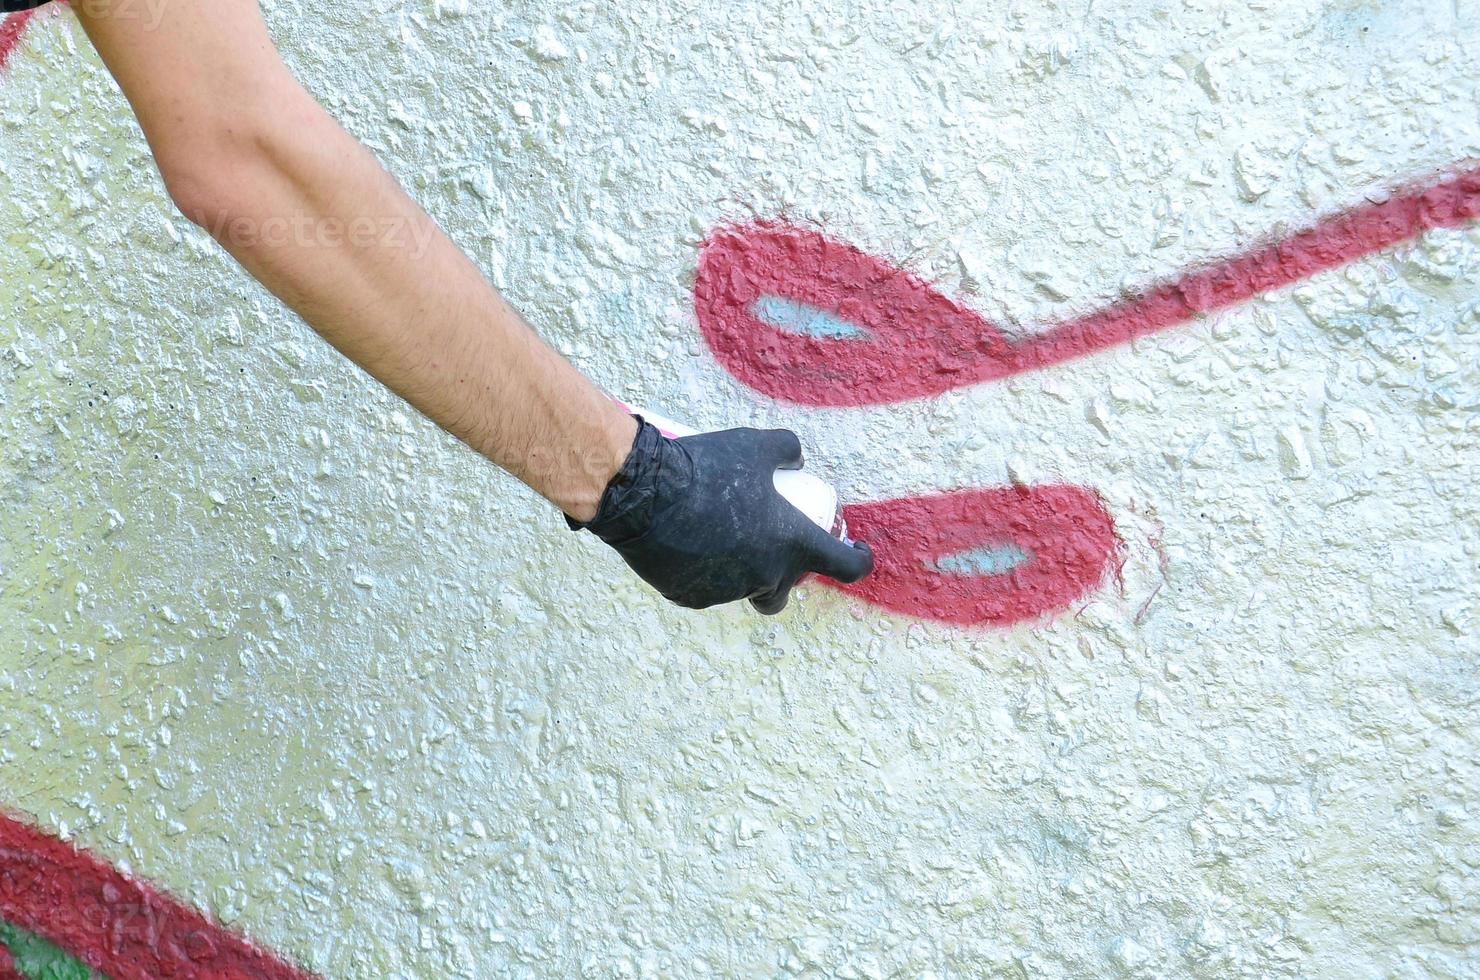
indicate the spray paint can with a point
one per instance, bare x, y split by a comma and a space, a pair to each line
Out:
810, 494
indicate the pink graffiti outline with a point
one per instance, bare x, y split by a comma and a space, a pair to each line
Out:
11, 29
114, 923
912, 341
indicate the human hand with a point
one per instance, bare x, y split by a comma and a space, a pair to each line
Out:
699, 519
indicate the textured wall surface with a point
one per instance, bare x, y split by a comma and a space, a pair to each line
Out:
272, 641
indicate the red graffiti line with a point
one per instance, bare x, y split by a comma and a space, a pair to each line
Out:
7, 966
990, 557
114, 924
817, 322
11, 29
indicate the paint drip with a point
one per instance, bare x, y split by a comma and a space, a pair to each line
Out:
808, 493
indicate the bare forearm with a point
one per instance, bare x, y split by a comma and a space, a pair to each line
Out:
325, 228
250, 156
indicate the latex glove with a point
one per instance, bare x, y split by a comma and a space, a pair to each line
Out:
699, 519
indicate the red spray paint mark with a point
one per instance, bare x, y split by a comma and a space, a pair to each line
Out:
11, 29
910, 341
7, 966
935, 555
114, 924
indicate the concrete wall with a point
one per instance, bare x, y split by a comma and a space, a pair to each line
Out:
276, 643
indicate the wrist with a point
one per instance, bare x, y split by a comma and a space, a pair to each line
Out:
615, 443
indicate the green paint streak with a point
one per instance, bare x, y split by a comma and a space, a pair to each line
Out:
38, 959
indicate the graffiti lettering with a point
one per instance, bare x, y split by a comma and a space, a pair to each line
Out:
990, 557
111, 922
812, 321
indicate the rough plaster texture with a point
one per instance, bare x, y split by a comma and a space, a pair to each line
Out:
279, 645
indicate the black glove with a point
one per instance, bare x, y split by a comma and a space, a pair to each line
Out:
699, 519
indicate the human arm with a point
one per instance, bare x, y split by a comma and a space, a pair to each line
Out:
250, 156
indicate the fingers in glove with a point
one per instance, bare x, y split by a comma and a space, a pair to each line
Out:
777, 449
826, 555
771, 603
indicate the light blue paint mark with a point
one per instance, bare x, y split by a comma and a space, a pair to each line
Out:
987, 560
800, 318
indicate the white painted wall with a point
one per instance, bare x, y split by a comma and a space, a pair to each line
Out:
275, 642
